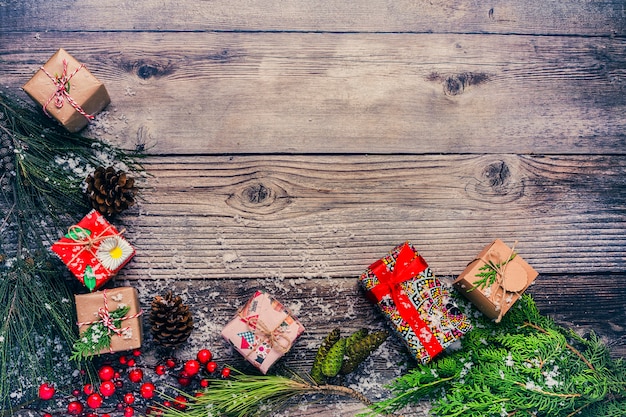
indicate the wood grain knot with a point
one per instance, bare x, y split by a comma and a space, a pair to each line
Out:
148, 69
496, 183
457, 83
260, 197
256, 193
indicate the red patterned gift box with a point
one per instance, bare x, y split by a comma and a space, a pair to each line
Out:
263, 331
93, 250
419, 307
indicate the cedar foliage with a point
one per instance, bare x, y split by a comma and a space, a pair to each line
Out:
525, 366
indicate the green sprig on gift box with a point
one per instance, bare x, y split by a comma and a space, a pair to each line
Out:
525, 366
97, 336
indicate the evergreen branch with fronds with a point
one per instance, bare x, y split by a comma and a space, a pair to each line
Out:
97, 336
489, 274
525, 366
243, 395
42, 169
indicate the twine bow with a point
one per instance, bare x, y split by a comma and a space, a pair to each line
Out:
85, 240
499, 267
104, 317
62, 92
275, 337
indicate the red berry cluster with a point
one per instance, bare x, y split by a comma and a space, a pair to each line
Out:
125, 388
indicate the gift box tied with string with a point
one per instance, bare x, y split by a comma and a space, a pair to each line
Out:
418, 306
263, 331
114, 314
94, 250
67, 91
496, 279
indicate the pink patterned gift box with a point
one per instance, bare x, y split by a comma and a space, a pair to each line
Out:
263, 331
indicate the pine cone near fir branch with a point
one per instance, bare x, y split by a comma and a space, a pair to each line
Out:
110, 191
358, 351
171, 321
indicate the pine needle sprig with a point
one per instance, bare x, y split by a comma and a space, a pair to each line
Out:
243, 395
525, 366
42, 169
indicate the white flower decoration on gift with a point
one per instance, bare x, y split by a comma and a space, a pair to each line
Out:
113, 251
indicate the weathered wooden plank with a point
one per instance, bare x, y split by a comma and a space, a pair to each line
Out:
208, 93
330, 216
604, 18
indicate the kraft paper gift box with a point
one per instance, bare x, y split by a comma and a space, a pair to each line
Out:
94, 250
418, 306
496, 279
263, 331
91, 307
67, 91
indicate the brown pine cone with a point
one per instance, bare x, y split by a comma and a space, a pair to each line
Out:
171, 321
109, 191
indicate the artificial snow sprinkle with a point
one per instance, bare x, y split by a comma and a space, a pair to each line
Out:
113, 252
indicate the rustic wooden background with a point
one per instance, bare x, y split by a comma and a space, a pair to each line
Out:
291, 143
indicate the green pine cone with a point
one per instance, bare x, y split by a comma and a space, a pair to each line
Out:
360, 350
333, 361
322, 351
355, 337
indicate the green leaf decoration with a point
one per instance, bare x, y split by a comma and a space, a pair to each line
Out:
78, 233
489, 274
97, 337
89, 278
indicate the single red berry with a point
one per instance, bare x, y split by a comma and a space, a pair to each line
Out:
211, 367
180, 402
107, 388
94, 400
76, 392
131, 362
160, 370
129, 398
88, 389
46, 391
123, 360
75, 407
171, 362
192, 367
167, 403
225, 372
91, 415
135, 375
117, 375
204, 355
106, 373
120, 406
119, 384
147, 390
136, 353
105, 415
204, 383
46, 415
184, 379
129, 411
198, 394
